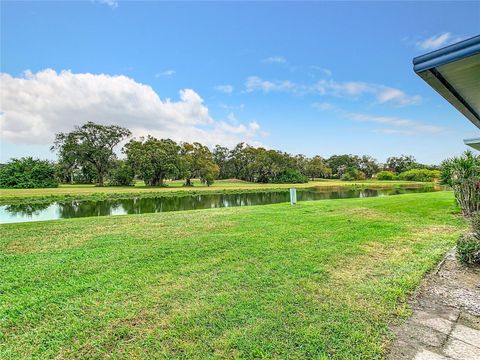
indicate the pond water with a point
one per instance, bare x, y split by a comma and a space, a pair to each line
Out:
73, 209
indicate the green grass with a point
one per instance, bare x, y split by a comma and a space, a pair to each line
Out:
320, 279
173, 188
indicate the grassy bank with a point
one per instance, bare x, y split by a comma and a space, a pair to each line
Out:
321, 279
174, 188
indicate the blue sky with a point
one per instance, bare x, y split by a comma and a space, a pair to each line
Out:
313, 78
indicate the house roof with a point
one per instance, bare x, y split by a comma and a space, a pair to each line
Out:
454, 72
474, 143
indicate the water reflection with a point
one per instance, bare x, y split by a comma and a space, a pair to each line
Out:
26, 209
73, 209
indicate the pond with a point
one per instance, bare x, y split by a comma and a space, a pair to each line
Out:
73, 209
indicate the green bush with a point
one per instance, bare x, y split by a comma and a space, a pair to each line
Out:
353, 174
121, 174
386, 175
463, 175
290, 176
28, 173
468, 249
423, 175
468, 246
475, 219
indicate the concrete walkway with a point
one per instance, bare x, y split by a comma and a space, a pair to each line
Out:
446, 316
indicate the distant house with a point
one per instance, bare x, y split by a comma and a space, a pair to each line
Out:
454, 72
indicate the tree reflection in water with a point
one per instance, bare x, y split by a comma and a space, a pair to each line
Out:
25, 209
73, 209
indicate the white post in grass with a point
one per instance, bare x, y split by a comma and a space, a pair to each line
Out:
293, 196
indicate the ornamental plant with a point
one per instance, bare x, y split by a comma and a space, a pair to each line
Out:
462, 174
468, 246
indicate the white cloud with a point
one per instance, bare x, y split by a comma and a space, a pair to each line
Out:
249, 131
275, 60
350, 89
254, 126
354, 89
386, 94
254, 83
400, 125
227, 89
437, 41
325, 71
232, 107
36, 106
112, 3
323, 106
392, 132
232, 118
169, 72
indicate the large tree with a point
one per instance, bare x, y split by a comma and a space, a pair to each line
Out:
317, 168
253, 164
301, 162
68, 161
239, 161
369, 166
93, 144
154, 160
197, 161
209, 173
221, 156
341, 163
400, 163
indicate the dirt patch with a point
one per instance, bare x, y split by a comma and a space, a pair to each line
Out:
435, 230
456, 285
364, 213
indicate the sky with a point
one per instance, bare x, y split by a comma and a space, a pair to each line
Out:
316, 78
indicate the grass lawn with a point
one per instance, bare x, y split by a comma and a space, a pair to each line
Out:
77, 192
320, 279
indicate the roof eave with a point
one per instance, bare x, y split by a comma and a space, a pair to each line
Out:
426, 67
435, 81
447, 54
474, 143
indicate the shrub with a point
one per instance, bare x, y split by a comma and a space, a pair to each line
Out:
353, 174
463, 175
28, 173
386, 175
476, 224
290, 176
423, 175
121, 174
468, 249
468, 246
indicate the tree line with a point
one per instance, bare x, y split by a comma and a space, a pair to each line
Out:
87, 155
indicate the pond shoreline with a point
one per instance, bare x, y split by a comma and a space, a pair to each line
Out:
179, 192
56, 210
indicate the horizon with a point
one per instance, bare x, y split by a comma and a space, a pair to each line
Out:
267, 74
